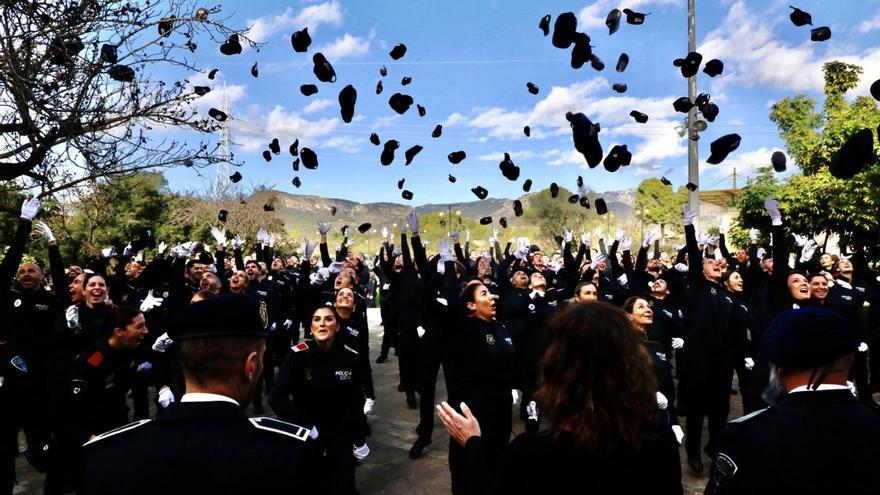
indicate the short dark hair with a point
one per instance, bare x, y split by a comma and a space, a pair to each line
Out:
577, 289
122, 316
215, 360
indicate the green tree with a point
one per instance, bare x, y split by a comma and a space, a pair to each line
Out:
550, 215
657, 203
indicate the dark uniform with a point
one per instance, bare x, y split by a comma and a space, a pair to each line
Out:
324, 389
201, 447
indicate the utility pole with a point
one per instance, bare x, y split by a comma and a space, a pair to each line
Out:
693, 156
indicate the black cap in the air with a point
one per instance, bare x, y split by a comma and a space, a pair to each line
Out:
532, 88
683, 104
544, 25
573, 199
407, 195
212, 74
582, 51
619, 87
452, 178
268, 207
480, 192
601, 207
820, 34
232, 46
508, 169
622, 62
778, 160
347, 100
294, 148
691, 186
374, 138
309, 158
722, 147
527, 185
222, 215
639, 117
586, 138
267, 156
398, 51
308, 89
275, 146
596, 62
690, 64
364, 227
387, 156
503, 222
713, 67
665, 181
121, 73
400, 183
437, 132
517, 208
235, 177
456, 157
296, 182
411, 153
322, 68
400, 103
634, 18
875, 89
612, 20
554, 190
300, 40
854, 155
485, 220
379, 87
201, 90
254, 70
710, 111
564, 30
800, 18
110, 54
217, 115
527, 131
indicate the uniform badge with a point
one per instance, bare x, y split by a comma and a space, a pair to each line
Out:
713, 291
166, 294
723, 469
531, 307
264, 314
18, 363
78, 386
490, 339
17, 303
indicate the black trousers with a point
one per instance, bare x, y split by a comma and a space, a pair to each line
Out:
707, 380
430, 360
336, 468
493, 410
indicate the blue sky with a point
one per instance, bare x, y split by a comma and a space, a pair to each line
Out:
470, 61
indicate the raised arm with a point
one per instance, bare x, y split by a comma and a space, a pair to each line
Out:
9, 266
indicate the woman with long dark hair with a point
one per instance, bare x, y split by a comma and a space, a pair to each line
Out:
599, 396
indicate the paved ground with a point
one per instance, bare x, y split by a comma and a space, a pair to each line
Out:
389, 470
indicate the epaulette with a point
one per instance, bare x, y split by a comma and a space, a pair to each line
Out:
749, 416
289, 429
350, 349
302, 346
95, 359
117, 431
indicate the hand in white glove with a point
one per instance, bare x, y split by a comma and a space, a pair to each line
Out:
420, 331
761, 252
662, 401
150, 302
677, 342
72, 316
288, 323
445, 248
29, 209
701, 238
772, 207
323, 228
626, 243
271, 240
161, 247
681, 267
800, 240
454, 236
126, 251
162, 343
335, 267
323, 274
412, 219
863, 347
852, 388
532, 410
595, 261
678, 432
567, 236
599, 234
554, 267
44, 231
712, 240
108, 252
360, 453
649, 238
722, 229
585, 239
516, 395
384, 232
368, 406
237, 242
753, 234
309, 248
144, 367
262, 236
750, 363
689, 215
808, 250
165, 397
519, 254
219, 236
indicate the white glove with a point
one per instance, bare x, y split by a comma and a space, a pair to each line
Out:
262, 236
368, 406
712, 240
800, 240
554, 267
772, 207
678, 432
161, 247
662, 401
441, 268
517, 395
72, 316
30, 208
412, 219
108, 252
722, 229
310, 248
689, 215
351, 242
323, 228
335, 267
420, 330
585, 239
288, 323
599, 234
626, 243
126, 251
750, 363
162, 343
150, 303
237, 242
271, 240
532, 410
145, 366
324, 274
701, 238
618, 234
808, 250
454, 236
44, 231
681, 267
183, 250
753, 234
595, 261
649, 238
360, 453
165, 397
445, 250
567, 236
863, 347
852, 388
519, 254
761, 252
384, 232
677, 342
219, 236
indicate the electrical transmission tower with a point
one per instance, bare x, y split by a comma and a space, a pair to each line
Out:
224, 189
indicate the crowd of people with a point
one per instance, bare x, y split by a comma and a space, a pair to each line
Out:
599, 347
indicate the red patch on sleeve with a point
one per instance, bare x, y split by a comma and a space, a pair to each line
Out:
95, 359
300, 347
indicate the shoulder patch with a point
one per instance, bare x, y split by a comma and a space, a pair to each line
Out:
749, 416
78, 386
117, 431
95, 359
289, 429
723, 469
300, 347
350, 349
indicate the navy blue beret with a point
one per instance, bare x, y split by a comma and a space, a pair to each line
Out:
807, 338
222, 316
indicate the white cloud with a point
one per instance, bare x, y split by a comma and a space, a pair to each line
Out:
317, 105
594, 15
455, 119
565, 157
346, 144
746, 163
659, 142
499, 155
347, 46
261, 29
869, 25
254, 130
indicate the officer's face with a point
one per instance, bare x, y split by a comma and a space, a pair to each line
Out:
798, 287
538, 282
342, 280
484, 268
742, 256
95, 291
76, 288
734, 283
711, 270
659, 287
845, 266
538, 260
324, 325
641, 314
29, 277
292, 262
345, 298
134, 270
398, 263
238, 280
520, 280
210, 283
277, 264
826, 261
819, 287
133, 334
483, 306
252, 270
587, 293
196, 271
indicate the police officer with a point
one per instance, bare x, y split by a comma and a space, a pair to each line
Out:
815, 437
205, 443
320, 383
